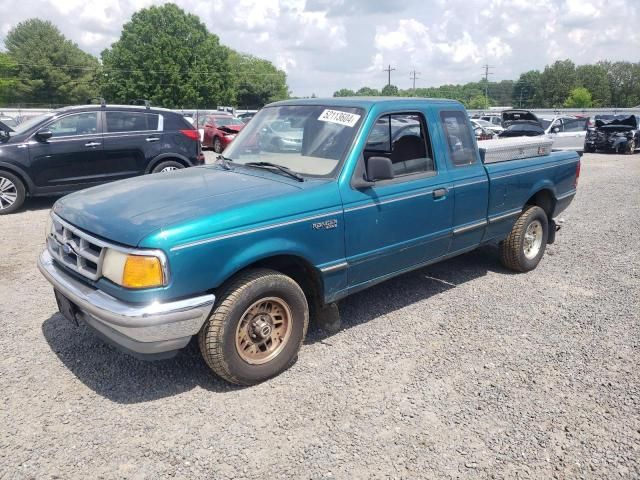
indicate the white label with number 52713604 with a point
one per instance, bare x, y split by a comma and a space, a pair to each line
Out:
342, 118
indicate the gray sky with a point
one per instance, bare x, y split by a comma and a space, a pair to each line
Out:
324, 45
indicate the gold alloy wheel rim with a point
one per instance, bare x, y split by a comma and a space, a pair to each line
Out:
263, 330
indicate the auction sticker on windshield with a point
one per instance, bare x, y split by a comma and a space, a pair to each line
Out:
342, 118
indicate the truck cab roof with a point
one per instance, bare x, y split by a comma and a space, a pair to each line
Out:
366, 102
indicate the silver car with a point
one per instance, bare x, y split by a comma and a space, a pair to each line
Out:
567, 132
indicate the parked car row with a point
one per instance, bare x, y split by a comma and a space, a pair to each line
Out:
77, 147
607, 133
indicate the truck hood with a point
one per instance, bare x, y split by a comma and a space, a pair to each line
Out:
129, 210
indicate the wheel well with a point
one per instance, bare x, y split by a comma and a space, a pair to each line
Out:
301, 271
545, 200
19, 175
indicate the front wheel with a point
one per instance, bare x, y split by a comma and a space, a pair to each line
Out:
631, 146
217, 145
12, 193
256, 328
523, 249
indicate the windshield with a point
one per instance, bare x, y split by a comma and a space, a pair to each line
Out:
308, 139
32, 122
545, 123
9, 122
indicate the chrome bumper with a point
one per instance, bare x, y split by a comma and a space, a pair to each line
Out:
142, 330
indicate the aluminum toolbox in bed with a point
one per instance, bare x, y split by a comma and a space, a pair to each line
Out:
502, 150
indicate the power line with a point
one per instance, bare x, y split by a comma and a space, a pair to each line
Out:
389, 70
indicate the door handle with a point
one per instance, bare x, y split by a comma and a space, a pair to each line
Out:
439, 192
92, 144
152, 139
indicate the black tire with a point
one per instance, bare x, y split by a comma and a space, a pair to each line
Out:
12, 193
513, 249
631, 147
217, 145
167, 166
218, 337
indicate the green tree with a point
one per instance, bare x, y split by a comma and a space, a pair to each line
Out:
368, 92
594, 78
624, 81
8, 78
579, 97
168, 56
49, 68
478, 102
527, 91
390, 91
556, 83
344, 92
257, 81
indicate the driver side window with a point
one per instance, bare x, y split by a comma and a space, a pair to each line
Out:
80, 124
403, 138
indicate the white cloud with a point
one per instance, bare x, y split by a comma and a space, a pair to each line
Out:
324, 45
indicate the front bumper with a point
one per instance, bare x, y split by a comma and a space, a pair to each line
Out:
149, 330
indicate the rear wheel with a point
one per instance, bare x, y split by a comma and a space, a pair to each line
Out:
256, 328
12, 193
523, 249
167, 166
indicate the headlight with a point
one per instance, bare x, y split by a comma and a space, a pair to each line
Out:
132, 270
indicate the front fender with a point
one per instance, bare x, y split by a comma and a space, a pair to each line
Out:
19, 172
259, 251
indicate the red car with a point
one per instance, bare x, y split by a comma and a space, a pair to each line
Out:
220, 130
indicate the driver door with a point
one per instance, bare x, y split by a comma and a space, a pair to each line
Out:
69, 160
397, 224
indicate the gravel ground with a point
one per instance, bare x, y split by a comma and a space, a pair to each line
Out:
459, 370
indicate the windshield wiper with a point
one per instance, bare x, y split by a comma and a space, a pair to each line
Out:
224, 161
280, 168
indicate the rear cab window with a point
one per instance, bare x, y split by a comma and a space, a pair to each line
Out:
404, 139
460, 146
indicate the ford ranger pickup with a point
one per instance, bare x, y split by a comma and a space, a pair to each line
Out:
313, 201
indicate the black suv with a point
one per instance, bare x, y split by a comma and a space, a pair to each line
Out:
78, 147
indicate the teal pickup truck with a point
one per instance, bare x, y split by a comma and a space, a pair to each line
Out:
313, 201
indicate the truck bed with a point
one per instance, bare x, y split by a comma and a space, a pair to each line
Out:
512, 183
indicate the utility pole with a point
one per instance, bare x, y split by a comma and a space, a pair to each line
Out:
486, 84
522, 89
389, 70
413, 76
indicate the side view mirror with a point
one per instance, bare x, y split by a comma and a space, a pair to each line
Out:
556, 129
379, 168
4, 135
44, 134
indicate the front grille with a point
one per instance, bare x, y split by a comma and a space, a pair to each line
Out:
75, 249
